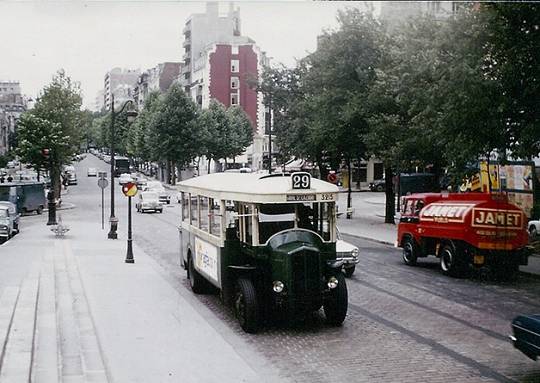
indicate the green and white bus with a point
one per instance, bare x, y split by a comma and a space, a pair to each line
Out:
266, 242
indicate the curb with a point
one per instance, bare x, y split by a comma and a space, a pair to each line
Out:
368, 239
65, 206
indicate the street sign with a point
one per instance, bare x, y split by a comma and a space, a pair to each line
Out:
102, 174
102, 183
129, 189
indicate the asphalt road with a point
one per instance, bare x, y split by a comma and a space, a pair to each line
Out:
404, 324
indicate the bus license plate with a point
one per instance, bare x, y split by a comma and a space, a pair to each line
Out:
300, 197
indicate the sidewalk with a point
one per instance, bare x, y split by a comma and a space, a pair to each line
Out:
83, 315
371, 226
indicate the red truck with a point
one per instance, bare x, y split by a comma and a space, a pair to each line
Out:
464, 229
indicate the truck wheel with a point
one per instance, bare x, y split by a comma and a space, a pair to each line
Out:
349, 271
246, 306
379, 188
410, 251
451, 263
335, 306
39, 210
196, 281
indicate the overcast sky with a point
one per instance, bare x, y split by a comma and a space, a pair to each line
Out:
89, 38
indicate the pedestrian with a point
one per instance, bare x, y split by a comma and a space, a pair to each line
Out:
65, 181
10, 179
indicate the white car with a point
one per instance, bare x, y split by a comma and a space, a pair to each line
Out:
92, 172
157, 187
125, 178
148, 200
534, 228
348, 253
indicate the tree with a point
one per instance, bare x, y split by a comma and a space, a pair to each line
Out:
177, 136
240, 134
37, 134
513, 53
60, 104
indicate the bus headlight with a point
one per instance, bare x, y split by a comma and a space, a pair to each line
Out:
278, 286
332, 282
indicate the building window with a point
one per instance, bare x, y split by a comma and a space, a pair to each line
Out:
234, 99
235, 82
235, 65
234, 49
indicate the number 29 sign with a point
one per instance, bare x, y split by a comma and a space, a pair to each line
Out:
301, 180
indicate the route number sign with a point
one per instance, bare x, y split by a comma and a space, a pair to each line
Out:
301, 180
129, 189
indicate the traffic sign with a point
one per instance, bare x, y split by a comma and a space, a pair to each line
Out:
129, 189
102, 174
102, 183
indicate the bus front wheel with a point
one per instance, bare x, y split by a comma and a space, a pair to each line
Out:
335, 306
246, 305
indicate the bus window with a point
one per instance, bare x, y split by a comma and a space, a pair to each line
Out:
214, 217
204, 213
274, 218
185, 207
194, 212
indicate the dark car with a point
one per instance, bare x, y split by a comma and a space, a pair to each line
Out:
526, 336
377, 185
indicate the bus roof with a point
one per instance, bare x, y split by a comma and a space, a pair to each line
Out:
258, 188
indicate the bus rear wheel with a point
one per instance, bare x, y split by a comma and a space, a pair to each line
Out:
246, 306
335, 306
196, 281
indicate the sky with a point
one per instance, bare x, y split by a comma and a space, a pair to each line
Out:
88, 38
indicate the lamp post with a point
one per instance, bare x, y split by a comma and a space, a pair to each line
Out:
131, 114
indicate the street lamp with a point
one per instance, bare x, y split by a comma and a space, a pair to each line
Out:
131, 114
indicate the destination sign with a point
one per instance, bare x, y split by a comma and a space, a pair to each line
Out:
301, 197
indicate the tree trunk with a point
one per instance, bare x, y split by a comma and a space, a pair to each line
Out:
209, 160
390, 197
349, 191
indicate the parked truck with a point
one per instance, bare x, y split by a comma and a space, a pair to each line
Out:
463, 229
27, 196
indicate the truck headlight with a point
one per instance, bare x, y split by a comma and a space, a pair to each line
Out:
355, 252
278, 286
332, 283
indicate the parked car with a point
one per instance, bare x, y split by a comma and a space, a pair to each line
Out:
526, 338
348, 254
72, 178
92, 172
157, 187
534, 228
377, 185
13, 213
107, 158
125, 178
148, 200
6, 224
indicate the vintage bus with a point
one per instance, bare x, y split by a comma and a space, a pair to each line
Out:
266, 241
